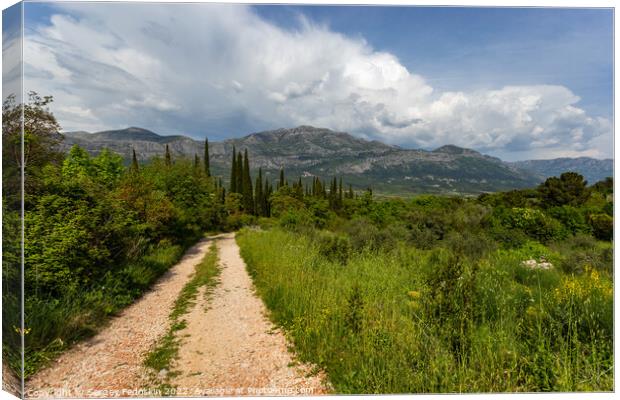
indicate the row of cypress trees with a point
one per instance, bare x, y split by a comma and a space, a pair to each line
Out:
255, 196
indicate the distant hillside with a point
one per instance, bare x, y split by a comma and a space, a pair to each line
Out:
307, 151
592, 169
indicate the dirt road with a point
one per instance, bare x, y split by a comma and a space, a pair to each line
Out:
110, 363
229, 346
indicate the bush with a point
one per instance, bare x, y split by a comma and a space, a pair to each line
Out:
534, 223
295, 220
335, 248
582, 252
473, 246
571, 217
602, 226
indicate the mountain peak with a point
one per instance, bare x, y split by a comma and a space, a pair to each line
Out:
453, 149
131, 133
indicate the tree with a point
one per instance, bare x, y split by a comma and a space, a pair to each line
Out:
196, 162
77, 164
282, 180
351, 192
207, 162
602, 226
41, 141
239, 170
168, 158
569, 189
108, 168
259, 202
233, 172
267, 198
134, 162
248, 195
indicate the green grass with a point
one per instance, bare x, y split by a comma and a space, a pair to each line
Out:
166, 350
420, 321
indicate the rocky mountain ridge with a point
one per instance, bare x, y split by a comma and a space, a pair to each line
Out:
308, 151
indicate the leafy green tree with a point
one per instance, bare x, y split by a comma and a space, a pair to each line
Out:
77, 165
41, 140
107, 168
569, 189
602, 226
606, 186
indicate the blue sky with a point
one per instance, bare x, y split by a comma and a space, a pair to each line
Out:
513, 82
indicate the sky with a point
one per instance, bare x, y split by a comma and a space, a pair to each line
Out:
517, 83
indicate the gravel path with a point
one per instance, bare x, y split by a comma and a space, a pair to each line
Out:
10, 382
110, 363
230, 347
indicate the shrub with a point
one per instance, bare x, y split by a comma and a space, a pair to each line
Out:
535, 224
571, 217
335, 248
602, 226
471, 245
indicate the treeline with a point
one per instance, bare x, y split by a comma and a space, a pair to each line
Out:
254, 197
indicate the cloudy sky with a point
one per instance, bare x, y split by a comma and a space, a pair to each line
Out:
514, 83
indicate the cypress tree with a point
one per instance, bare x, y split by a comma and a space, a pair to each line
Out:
207, 162
248, 195
340, 193
239, 188
268, 192
134, 162
168, 158
350, 191
196, 162
233, 172
258, 200
281, 183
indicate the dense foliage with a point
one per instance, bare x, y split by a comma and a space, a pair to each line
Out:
97, 232
507, 292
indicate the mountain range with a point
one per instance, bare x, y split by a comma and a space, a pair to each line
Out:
308, 151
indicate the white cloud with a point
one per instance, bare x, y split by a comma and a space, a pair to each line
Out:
221, 69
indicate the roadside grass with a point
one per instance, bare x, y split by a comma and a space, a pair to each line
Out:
79, 315
162, 356
428, 321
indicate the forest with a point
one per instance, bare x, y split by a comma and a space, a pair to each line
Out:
507, 291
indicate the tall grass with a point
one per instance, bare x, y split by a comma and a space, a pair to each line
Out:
417, 321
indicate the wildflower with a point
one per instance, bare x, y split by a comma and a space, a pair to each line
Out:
414, 294
19, 330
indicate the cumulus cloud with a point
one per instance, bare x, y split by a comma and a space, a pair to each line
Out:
222, 70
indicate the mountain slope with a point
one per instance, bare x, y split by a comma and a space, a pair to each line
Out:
592, 169
307, 151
